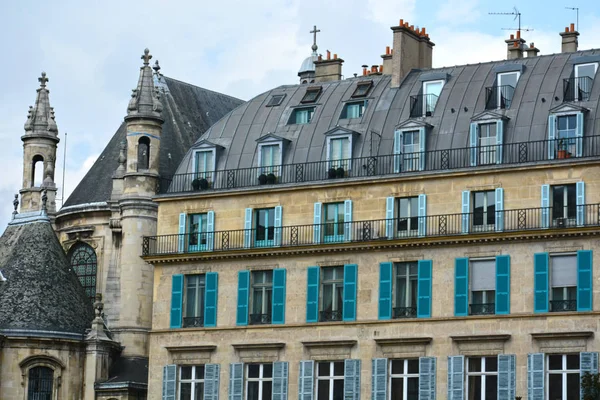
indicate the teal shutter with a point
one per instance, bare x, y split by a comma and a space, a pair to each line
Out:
427, 378
236, 381
385, 290
210, 300
397, 151
248, 228
351, 379
422, 214
312, 295
348, 220
584, 280
551, 136
422, 147
535, 376
243, 296
499, 141
579, 135
507, 371
545, 204
210, 229
280, 380
466, 210
540, 282
503, 284
456, 377
379, 379
211, 381
350, 282
424, 288
317, 223
306, 378
176, 300
461, 287
473, 143
279, 283
169, 382
181, 237
580, 187
499, 192
277, 225
389, 217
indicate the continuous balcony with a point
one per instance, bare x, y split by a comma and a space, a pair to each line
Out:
445, 225
364, 167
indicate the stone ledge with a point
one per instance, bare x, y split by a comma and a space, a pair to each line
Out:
190, 355
323, 350
403, 347
562, 342
480, 338
562, 335
258, 352
480, 345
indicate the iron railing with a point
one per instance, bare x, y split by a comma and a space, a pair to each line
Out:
498, 97
371, 230
328, 316
422, 105
394, 164
193, 322
577, 89
404, 312
483, 309
260, 319
563, 305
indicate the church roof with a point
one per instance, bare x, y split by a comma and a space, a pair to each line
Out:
188, 112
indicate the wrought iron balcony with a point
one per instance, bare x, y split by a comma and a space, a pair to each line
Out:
260, 319
329, 316
498, 97
483, 309
577, 89
193, 322
404, 312
422, 105
563, 305
444, 225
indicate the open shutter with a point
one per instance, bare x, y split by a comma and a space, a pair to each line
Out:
306, 378
580, 203
169, 380
243, 296
503, 284
535, 376
389, 217
473, 143
210, 300
551, 136
236, 381
584, 280
350, 282
280, 380
248, 228
422, 147
424, 289
379, 379
507, 366
422, 214
385, 290
176, 300
277, 225
312, 294
588, 362
181, 237
397, 151
352, 380
348, 220
579, 135
545, 204
210, 231
540, 282
499, 141
499, 192
211, 381
427, 378
466, 210
461, 287
456, 377
317, 223
279, 282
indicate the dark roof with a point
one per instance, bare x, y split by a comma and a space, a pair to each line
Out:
127, 370
41, 292
188, 112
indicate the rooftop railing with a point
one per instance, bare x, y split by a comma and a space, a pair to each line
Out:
498, 97
422, 105
577, 89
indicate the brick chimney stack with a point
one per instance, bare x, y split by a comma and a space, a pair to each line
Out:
515, 46
569, 39
532, 51
387, 61
329, 69
412, 49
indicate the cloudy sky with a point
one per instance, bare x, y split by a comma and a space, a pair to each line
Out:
91, 52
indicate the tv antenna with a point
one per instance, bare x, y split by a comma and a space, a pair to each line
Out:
576, 9
517, 15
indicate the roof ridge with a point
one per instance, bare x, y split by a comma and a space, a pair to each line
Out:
200, 87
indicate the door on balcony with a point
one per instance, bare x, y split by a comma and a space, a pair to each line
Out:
410, 151
405, 288
484, 211
265, 227
334, 222
507, 82
261, 298
408, 216
270, 159
564, 205
193, 312
197, 230
584, 77
204, 162
332, 300
431, 93
487, 143
563, 280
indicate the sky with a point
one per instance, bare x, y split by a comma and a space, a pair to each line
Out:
91, 53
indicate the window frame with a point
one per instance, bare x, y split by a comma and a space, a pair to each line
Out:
293, 116
192, 381
267, 297
331, 378
47, 361
269, 228
76, 249
483, 373
335, 283
362, 104
204, 174
410, 231
360, 85
338, 225
308, 95
345, 163
565, 289
405, 376
261, 379
564, 372
484, 226
200, 235
570, 221
486, 293
273, 168
487, 154
425, 84
411, 285
409, 159
276, 100
200, 294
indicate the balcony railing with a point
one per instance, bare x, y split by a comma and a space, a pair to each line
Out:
193, 322
577, 89
394, 164
563, 305
260, 319
422, 105
328, 316
374, 230
483, 309
404, 312
498, 97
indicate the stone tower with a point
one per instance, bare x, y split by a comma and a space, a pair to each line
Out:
39, 153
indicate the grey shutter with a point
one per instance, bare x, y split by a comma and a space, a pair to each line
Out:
348, 220
211, 381
389, 217
280, 380
379, 379
465, 209
169, 379
563, 270
427, 378
483, 275
456, 377
588, 363
236, 381
507, 366
535, 376
306, 378
248, 232
352, 380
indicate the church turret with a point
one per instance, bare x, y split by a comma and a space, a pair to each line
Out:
39, 153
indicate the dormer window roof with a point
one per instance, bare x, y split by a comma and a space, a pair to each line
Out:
312, 94
362, 88
276, 100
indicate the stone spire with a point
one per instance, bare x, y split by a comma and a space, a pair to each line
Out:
144, 101
40, 118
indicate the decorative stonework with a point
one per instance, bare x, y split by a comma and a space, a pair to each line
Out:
258, 352
329, 349
562, 342
479, 345
191, 355
403, 347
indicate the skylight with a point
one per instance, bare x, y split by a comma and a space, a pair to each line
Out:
362, 88
311, 95
275, 100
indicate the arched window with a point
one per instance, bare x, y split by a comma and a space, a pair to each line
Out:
143, 153
41, 380
37, 171
85, 264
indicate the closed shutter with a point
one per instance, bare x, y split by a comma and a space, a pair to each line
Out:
306, 378
350, 282
466, 209
461, 287
277, 225
456, 377
545, 204
279, 283
584, 280
352, 380
169, 380
348, 220
236, 381
422, 147
317, 223
580, 203
280, 380
243, 296
210, 300
499, 140
535, 376
424, 289
503, 284
473, 143
499, 192
379, 379
248, 228
397, 151
507, 371
389, 217
540, 282
385, 290
579, 135
176, 300
427, 378
210, 229
181, 237
211, 381
551, 136
312, 294
422, 215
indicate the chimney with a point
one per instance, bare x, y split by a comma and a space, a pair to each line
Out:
514, 46
412, 49
387, 61
329, 69
532, 51
569, 39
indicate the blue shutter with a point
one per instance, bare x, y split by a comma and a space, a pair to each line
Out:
389, 217
379, 379
588, 362
280, 380
176, 300
499, 209
503, 284
580, 203
181, 237
551, 136
456, 377
210, 299
427, 378
473, 143
535, 376
348, 220
169, 382
424, 289
277, 225
466, 210
279, 283
422, 147
211, 381
210, 229
236, 381
584, 280
461, 287
317, 223
351, 379
545, 204
350, 282
248, 228
306, 378
397, 151
579, 135
507, 371
312, 294
385, 290
422, 214
499, 140
540, 282
243, 296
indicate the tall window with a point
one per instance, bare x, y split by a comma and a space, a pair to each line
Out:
405, 288
143, 153
483, 287
334, 222
563, 378
563, 279
197, 230
410, 151
204, 163
301, 115
482, 378
487, 143
37, 171
484, 210
507, 82
261, 297
584, 79
566, 142
339, 152
84, 262
259, 381
404, 375
431, 93
265, 227
40, 383
191, 382
270, 158
564, 204
353, 109
330, 380
193, 313
408, 216
332, 298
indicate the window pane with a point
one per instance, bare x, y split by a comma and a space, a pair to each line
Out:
491, 364
477, 297
571, 201
339, 294
186, 391
267, 370
491, 387
199, 372
257, 301
555, 386
401, 291
573, 361
323, 390
397, 389
573, 386
327, 297
338, 389
474, 388
267, 390
186, 373
338, 368
199, 391
252, 390
413, 366
474, 364
555, 362
253, 370
413, 389
397, 367
324, 368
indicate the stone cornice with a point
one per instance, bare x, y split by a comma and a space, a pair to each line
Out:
562, 335
410, 340
480, 338
258, 346
180, 349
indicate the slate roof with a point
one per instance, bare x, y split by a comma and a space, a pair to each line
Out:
125, 371
41, 292
188, 112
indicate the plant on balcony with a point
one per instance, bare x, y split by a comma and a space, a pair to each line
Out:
331, 173
200, 184
590, 386
271, 178
563, 149
262, 179
339, 173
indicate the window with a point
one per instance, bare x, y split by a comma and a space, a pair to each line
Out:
339, 152
276, 100
431, 93
405, 290
404, 375
483, 287
354, 109
566, 142
204, 163
563, 282
269, 158
330, 380
143, 153
584, 79
563, 377
332, 298
301, 116
265, 227
487, 143
564, 205
193, 313
408, 216
411, 151
191, 382
505, 88
197, 229
482, 378
334, 222
40, 383
484, 210
37, 171
259, 381
261, 297
311, 95
83, 261
362, 89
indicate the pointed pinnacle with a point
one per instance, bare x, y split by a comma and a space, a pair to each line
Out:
146, 57
43, 79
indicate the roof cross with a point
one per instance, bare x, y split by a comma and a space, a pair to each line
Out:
146, 57
314, 32
43, 80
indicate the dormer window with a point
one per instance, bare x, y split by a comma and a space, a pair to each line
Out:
486, 137
339, 150
311, 95
579, 87
276, 100
301, 116
424, 104
409, 147
362, 88
204, 163
501, 94
270, 155
354, 109
565, 132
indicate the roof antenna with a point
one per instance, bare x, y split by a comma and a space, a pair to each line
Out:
576, 9
517, 15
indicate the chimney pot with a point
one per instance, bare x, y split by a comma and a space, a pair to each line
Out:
412, 28
512, 36
401, 21
566, 29
381, 68
328, 55
572, 28
423, 32
516, 44
320, 58
387, 50
519, 34
335, 56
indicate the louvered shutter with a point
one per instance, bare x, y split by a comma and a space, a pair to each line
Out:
181, 237
236, 381
279, 284
176, 300
540, 282
473, 143
348, 220
210, 299
389, 217
210, 229
503, 284
456, 377
422, 147
211, 381
535, 376
584, 280
461, 287
499, 141
169, 382
350, 283
580, 188
499, 197
379, 379
397, 151
306, 377
551, 136
579, 135
466, 209
427, 376
385, 290
248, 228
545, 204
352, 380
507, 382
312, 294
280, 380
243, 297
422, 214
317, 223
424, 288
277, 225
588, 364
